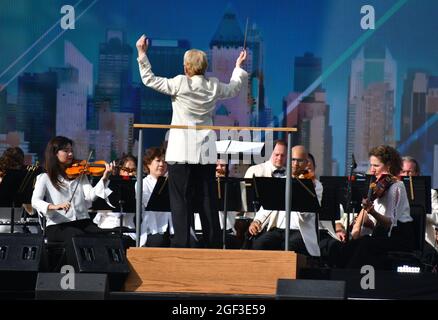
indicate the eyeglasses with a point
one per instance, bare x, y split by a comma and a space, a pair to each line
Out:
299, 160
128, 170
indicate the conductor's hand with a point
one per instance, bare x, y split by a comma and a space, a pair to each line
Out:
142, 46
63, 206
241, 59
255, 227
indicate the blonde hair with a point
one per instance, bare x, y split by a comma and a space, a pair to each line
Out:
195, 62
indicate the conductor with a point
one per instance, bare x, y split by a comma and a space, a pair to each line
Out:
194, 98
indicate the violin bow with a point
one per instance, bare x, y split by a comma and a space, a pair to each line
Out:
305, 187
27, 178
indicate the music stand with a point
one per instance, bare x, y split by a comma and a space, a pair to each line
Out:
229, 199
159, 200
271, 192
418, 191
336, 192
122, 198
331, 198
241, 149
16, 189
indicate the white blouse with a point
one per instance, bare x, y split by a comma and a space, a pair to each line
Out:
153, 222
45, 193
432, 220
394, 204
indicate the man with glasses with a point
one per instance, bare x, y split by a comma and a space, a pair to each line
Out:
302, 238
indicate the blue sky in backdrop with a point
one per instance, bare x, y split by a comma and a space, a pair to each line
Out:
289, 28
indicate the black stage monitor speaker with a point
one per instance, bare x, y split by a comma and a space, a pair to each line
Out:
288, 289
20, 260
388, 284
79, 286
101, 254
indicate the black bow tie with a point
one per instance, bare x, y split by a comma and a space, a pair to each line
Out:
279, 173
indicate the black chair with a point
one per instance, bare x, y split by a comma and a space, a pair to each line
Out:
413, 258
54, 253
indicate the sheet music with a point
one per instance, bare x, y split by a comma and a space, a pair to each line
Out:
242, 147
222, 146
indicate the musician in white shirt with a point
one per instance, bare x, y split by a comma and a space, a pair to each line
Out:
156, 227
303, 237
63, 201
194, 98
388, 215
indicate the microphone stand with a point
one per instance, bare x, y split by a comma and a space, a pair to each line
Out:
353, 166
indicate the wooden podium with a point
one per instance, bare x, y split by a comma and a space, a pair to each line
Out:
209, 271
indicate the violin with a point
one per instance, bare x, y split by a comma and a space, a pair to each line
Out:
78, 168
377, 189
306, 174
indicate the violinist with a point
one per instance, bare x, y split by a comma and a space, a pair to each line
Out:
386, 210
109, 220
303, 237
128, 166
64, 201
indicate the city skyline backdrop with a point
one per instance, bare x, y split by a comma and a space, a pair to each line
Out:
288, 29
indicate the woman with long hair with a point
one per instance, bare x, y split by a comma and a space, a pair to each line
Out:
63, 201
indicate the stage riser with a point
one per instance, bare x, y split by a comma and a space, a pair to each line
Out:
209, 271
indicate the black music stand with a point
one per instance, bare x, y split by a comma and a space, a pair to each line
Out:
331, 198
270, 192
16, 189
229, 199
252, 195
159, 200
122, 198
336, 192
419, 192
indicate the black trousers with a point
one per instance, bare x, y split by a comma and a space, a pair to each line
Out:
64, 233
372, 250
274, 240
192, 188
158, 240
